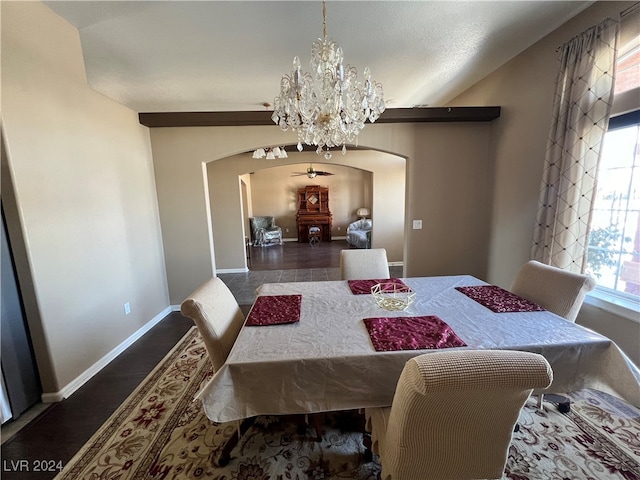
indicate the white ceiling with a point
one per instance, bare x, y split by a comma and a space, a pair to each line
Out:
167, 56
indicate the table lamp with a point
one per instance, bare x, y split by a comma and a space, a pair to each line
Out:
362, 213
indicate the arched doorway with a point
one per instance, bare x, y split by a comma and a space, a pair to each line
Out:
272, 191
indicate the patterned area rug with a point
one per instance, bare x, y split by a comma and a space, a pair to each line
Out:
159, 432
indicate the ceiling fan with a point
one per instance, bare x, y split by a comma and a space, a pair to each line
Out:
311, 172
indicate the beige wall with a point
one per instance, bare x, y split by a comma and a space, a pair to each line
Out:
448, 186
78, 182
524, 88
79, 189
274, 192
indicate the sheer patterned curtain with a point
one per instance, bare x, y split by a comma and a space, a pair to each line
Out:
581, 109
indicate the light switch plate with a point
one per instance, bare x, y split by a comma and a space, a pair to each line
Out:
417, 224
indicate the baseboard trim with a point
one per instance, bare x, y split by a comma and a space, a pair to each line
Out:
396, 264
85, 376
295, 239
232, 270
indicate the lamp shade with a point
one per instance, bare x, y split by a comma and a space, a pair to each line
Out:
362, 212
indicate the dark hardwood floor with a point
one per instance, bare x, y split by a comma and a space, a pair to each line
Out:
62, 428
294, 255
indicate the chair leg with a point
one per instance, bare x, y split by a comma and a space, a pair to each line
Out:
225, 454
366, 441
303, 422
564, 403
317, 419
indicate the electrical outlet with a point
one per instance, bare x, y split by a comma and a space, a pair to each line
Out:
338, 228
127, 308
417, 224
286, 230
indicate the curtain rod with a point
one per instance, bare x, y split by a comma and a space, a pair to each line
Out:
631, 9
560, 47
627, 11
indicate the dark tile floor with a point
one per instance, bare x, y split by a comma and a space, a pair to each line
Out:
291, 262
243, 285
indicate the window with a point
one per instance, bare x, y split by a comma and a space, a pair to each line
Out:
627, 70
613, 256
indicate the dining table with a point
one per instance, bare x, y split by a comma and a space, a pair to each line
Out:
312, 346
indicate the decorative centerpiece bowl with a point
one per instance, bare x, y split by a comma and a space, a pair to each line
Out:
392, 296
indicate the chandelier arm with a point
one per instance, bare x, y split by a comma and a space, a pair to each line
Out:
324, 19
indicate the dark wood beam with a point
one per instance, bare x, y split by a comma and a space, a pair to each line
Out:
263, 117
439, 114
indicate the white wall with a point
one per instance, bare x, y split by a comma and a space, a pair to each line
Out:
78, 183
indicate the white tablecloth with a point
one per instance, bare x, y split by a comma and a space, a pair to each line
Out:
327, 361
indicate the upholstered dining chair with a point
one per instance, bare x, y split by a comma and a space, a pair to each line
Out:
216, 313
364, 264
453, 413
219, 319
557, 290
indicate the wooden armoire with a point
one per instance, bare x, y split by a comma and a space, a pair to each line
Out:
313, 211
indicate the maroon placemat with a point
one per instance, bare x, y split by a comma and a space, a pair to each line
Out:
275, 310
499, 300
361, 287
411, 333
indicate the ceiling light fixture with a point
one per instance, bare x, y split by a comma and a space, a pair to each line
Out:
270, 153
329, 108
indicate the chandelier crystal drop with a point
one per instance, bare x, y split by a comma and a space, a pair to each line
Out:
328, 107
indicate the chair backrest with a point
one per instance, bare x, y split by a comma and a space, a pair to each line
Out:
364, 264
362, 224
454, 412
559, 291
216, 313
263, 222
260, 223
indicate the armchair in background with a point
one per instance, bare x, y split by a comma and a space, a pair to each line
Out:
264, 231
359, 233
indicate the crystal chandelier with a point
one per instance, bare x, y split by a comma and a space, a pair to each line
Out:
270, 153
329, 108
